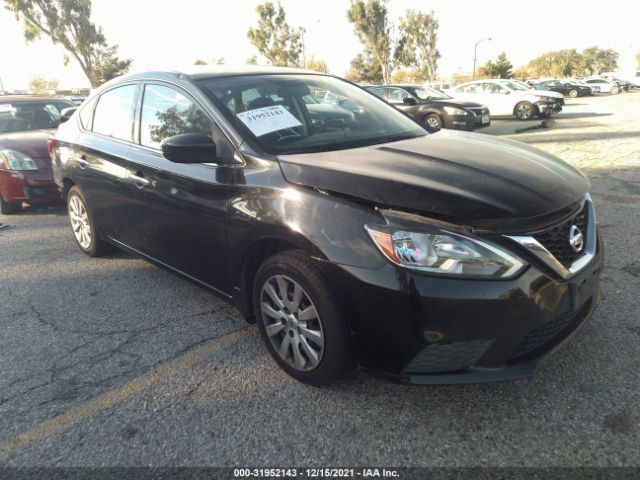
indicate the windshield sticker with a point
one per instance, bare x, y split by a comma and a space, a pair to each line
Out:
6, 107
268, 119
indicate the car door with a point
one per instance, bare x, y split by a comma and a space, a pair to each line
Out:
396, 96
182, 216
100, 160
472, 92
498, 99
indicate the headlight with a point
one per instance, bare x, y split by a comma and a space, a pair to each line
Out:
17, 160
446, 253
544, 99
455, 111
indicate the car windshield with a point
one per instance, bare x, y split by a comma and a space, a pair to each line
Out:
20, 116
426, 93
303, 113
514, 85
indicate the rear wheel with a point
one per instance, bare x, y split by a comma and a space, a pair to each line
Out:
300, 319
524, 111
573, 93
83, 225
433, 122
7, 208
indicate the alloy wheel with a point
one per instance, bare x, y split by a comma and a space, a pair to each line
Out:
524, 111
80, 222
292, 323
433, 123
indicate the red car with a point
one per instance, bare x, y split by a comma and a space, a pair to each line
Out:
26, 122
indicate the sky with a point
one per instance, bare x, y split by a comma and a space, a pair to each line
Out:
163, 34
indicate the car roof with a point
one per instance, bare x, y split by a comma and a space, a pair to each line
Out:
198, 72
30, 98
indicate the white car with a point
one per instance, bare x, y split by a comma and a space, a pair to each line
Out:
606, 86
507, 97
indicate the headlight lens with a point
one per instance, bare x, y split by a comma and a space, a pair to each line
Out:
17, 160
455, 111
447, 253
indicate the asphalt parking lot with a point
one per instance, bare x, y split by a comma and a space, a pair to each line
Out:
114, 362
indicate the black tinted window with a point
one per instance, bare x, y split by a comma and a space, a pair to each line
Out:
166, 112
114, 113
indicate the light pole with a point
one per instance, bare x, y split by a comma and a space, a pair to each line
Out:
475, 53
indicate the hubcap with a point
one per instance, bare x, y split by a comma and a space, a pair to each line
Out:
433, 123
292, 323
80, 222
524, 111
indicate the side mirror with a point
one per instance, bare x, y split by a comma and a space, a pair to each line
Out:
65, 113
189, 148
409, 100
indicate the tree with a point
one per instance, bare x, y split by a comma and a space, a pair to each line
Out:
317, 65
598, 60
561, 63
220, 61
274, 38
200, 62
418, 42
410, 75
68, 23
364, 68
252, 60
40, 86
372, 28
638, 60
500, 69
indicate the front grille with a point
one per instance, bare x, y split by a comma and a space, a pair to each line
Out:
537, 339
556, 239
448, 357
480, 111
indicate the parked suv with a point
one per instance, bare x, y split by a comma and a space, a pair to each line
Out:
360, 239
433, 108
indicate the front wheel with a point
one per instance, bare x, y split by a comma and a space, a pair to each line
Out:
614, 90
7, 208
83, 225
573, 93
524, 111
433, 122
300, 319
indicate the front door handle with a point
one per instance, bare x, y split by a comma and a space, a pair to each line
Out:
139, 180
82, 161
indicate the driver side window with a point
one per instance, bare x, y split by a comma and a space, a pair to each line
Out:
167, 112
493, 88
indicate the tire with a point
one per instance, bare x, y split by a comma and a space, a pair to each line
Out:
83, 225
524, 111
7, 208
432, 122
322, 339
573, 93
614, 90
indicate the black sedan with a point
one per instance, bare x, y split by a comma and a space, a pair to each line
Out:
565, 88
355, 240
434, 108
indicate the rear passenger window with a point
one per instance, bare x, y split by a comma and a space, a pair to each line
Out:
86, 114
166, 112
114, 113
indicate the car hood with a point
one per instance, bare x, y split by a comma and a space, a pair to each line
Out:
32, 142
454, 102
455, 176
546, 93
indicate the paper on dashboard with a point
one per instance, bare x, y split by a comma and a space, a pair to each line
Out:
268, 119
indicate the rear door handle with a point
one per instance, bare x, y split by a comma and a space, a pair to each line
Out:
139, 180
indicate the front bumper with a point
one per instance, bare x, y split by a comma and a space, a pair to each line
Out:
547, 108
467, 122
431, 330
28, 186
